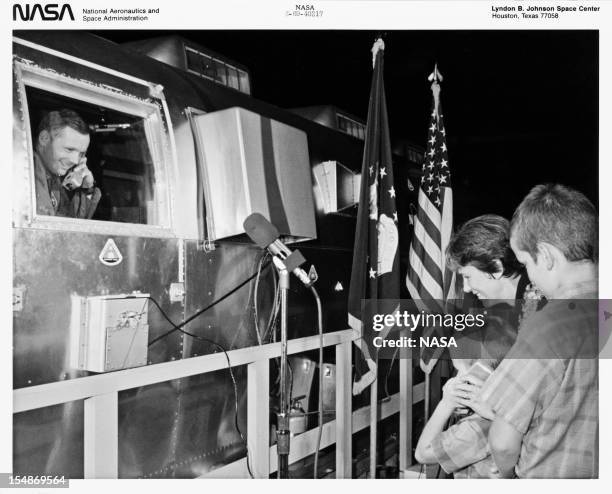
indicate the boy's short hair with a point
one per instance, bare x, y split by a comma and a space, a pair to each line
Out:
480, 242
560, 216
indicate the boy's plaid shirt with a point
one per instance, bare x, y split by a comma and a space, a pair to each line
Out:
547, 389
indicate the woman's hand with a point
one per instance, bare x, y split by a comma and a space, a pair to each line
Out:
470, 397
463, 391
452, 392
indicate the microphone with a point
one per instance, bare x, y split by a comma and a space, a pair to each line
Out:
266, 236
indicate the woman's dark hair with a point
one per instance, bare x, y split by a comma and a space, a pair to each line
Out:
482, 241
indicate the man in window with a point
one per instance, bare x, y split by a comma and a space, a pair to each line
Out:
64, 184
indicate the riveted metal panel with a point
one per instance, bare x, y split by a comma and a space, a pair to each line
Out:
49, 440
51, 266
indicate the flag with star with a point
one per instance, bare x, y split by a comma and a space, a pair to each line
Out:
428, 279
375, 270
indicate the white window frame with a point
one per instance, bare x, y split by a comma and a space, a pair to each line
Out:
159, 143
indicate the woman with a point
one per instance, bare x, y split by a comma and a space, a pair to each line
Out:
480, 252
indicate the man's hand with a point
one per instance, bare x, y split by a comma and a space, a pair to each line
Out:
88, 179
79, 177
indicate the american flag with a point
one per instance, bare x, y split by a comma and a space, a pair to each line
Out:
375, 270
428, 279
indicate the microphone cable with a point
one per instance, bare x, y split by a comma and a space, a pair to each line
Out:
320, 404
177, 327
229, 368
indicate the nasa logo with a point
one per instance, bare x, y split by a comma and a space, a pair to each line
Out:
48, 12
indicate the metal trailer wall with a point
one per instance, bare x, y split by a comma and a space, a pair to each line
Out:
182, 428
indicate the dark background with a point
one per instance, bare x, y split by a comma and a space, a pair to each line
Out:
520, 107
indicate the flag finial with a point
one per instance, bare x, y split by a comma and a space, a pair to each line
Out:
435, 76
436, 79
379, 44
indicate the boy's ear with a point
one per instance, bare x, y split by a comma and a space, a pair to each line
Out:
548, 254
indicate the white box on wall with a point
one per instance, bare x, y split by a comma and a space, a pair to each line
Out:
109, 332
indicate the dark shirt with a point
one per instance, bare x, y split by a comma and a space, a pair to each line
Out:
52, 199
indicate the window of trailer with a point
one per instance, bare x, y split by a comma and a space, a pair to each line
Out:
217, 70
125, 152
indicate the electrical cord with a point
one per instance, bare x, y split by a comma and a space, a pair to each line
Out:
290, 382
270, 332
256, 297
229, 366
271, 323
177, 327
320, 404
128, 351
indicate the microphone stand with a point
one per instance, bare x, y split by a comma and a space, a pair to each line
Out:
283, 431
266, 235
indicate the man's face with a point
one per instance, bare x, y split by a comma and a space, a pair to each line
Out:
480, 283
536, 270
62, 150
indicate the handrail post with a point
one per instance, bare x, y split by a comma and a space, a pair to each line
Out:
258, 423
344, 414
373, 424
101, 437
405, 413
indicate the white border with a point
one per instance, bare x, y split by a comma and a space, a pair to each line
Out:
372, 15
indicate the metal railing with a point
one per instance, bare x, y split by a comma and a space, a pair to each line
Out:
100, 396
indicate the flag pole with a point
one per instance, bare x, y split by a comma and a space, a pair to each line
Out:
375, 266
427, 393
373, 423
435, 77
378, 45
